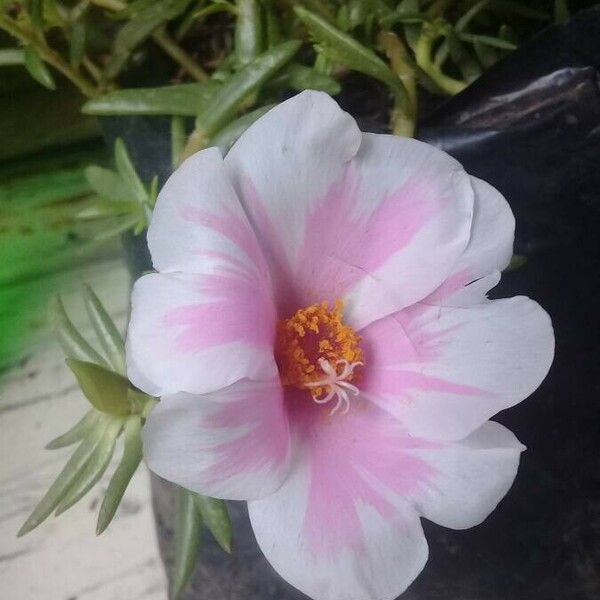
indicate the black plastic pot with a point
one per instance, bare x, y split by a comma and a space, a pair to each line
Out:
531, 127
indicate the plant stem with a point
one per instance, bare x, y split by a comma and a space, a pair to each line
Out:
423, 56
404, 115
178, 54
31, 38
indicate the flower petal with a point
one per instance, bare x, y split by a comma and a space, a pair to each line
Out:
412, 213
199, 332
231, 444
198, 216
489, 251
468, 478
284, 163
338, 528
445, 371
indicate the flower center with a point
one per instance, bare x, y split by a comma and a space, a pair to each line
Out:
317, 352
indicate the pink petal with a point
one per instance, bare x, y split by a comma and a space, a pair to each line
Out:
231, 444
198, 216
200, 332
444, 371
339, 528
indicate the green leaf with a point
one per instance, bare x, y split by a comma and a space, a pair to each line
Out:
487, 40
216, 517
412, 30
77, 43
11, 56
106, 390
462, 57
35, 8
76, 433
138, 28
72, 342
128, 173
106, 331
464, 21
130, 460
187, 541
230, 133
62, 483
229, 98
304, 78
37, 69
249, 35
344, 49
94, 467
186, 99
105, 183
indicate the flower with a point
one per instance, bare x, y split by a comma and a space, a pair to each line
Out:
320, 336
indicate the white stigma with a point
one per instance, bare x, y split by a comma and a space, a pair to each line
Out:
336, 384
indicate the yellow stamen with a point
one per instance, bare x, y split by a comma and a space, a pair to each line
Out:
312, 334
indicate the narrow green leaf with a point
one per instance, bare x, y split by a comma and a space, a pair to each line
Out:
94, 467
412, 30
304, 78
462, 57
76, 433
230, 133
216, 517
106, 331
138, 28
249, 35
35, 8
128, 173
105, 183
228, 100
106, 390
342, 48
72, 342
130, 460
186, 100
487, 40
61, 484
11, 56
187, 542
77, 43
37, 69
463, 22
100, 208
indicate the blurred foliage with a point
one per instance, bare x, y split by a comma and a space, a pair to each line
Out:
246, 54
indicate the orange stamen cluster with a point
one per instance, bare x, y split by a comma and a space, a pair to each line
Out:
313, 333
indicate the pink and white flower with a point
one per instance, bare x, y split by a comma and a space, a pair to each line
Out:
319, 334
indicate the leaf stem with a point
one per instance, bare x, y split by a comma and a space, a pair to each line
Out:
179, 55
31, 38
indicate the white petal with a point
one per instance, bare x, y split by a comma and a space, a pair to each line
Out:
489, 251
445, 371
379, 563
231, 444
468, 478
340, 527
198, 333
416, 203
285, 163
198, 216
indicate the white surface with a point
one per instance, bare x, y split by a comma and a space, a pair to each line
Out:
63, 559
